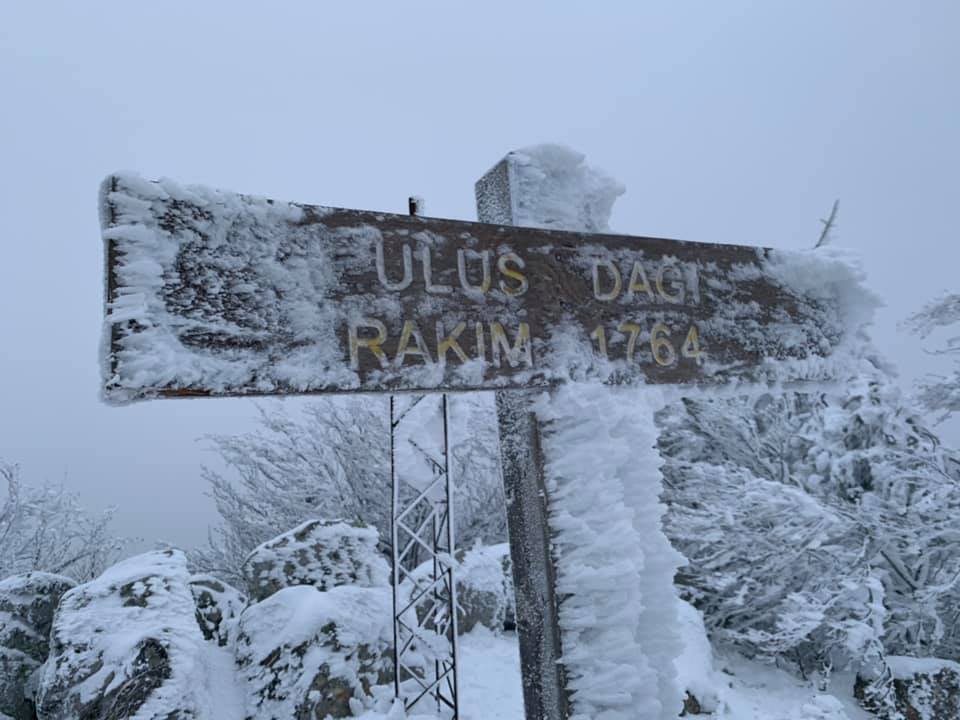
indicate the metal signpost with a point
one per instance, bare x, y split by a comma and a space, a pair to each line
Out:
215, 294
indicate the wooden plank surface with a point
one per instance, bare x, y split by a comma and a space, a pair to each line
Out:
215, 293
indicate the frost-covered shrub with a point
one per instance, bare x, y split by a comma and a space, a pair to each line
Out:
333, 461
46, 529
815, 523
924, 689
321, 553
940, 394
485, 596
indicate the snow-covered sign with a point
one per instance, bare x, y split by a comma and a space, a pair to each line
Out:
216, 293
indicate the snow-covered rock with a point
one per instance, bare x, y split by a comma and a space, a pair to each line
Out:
27, 604
306, 654
695, 672
127, 645
322, 553
485, 597
217, 607
484, 579
926, 688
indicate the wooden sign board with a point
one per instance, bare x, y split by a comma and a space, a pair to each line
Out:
215, 293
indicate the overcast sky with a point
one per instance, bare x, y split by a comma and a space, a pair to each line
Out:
735, 122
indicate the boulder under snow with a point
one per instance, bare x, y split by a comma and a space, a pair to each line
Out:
484, 581
27, 605
925, 688
305, 654
127, 645
321, 553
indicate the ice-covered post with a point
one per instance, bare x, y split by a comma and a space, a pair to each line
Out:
588, 568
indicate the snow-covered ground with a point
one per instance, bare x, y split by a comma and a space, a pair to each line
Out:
490, 687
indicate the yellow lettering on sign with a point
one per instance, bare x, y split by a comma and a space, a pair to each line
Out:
677, 283
600, 335
481, 343
634, 331
372, 344
617, 281
504, 268
638, 281
661, 346
428, 275
521, 347
410, 330
691, 345
444, 344
462, 272
407, 268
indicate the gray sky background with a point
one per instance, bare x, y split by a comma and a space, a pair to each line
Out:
733, 121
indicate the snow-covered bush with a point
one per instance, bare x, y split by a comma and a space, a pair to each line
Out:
820, 530
940, 394
333, 461
46, 529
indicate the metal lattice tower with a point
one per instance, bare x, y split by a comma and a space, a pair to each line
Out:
424, 603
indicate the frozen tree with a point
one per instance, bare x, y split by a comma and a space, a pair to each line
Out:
45, 528
818, 528
333, 462
940, 394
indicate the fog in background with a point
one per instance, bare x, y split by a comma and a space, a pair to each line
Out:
732, 122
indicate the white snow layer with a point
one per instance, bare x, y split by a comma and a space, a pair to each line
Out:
553, 188
615, 567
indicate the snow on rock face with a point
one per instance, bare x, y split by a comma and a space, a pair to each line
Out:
615, 568
322, 553
926, 688
484, 578
127, 645
306, 654
27, 604
485, 597
217, 607
695, 672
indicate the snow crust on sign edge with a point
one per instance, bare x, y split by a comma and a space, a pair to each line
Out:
827, 274
127, 214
